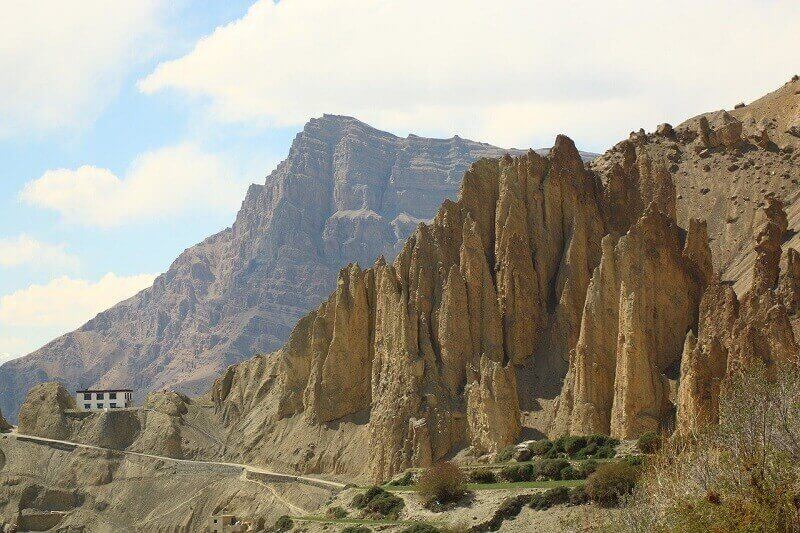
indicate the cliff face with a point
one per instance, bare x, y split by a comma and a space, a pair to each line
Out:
736, 333
547, 278
346, 192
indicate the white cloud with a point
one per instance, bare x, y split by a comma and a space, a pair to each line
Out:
62, 61
511, 72
13, 347
159, 184
64, 303
31, 317
26, 251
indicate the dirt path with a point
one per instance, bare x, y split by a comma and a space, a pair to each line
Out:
275, 476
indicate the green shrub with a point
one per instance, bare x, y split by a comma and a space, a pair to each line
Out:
558, 444
587, 468
284, 523
634, 460
605, 452
610, 482
517, 473
441, 483
403, 481
505, 455
336, 512
540, 447
549, 468
572, 445
585, 452
578, 496
511, 507
356, 529
570, 472
482, 475
546, 500
377, 501
602, 440
650, 442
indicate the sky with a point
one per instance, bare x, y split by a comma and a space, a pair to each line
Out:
130, 130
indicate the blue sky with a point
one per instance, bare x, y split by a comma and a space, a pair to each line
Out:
130, 130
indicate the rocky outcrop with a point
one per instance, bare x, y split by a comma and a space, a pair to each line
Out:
44, 412
430, 347
642, 300
734, 334
346, 193
4, 425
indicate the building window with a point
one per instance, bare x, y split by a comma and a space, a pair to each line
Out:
87, 406
100, 395
113, 405
112, 395
87, 395
99, 406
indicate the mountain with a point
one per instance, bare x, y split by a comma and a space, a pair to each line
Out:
552, 297
347, 192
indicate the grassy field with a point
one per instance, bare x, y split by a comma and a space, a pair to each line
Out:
354, 521
501, 485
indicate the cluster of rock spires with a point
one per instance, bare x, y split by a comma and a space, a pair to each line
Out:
544, 271
735, 334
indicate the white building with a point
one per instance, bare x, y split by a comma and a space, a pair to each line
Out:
100, 400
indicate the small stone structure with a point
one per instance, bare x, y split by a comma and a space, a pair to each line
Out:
226, 523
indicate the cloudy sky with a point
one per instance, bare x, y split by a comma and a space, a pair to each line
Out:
130, 129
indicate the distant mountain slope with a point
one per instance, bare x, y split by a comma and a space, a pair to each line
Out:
346, 192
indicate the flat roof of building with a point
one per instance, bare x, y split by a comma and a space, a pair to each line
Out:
104, 390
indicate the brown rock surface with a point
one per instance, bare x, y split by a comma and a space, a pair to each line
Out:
734, 333
642, 301
43, 413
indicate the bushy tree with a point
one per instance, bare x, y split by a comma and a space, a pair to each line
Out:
441, 483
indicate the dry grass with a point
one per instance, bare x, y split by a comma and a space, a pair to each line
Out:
740, 476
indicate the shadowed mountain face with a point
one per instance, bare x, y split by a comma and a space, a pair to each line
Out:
346, 192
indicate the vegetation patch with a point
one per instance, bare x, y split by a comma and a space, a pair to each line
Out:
356, 529
650, 442
336, 512
284, 523
611, 482
441, 484
505, 455
740, 475
377, 502
550, 498
405, 480
483, 476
